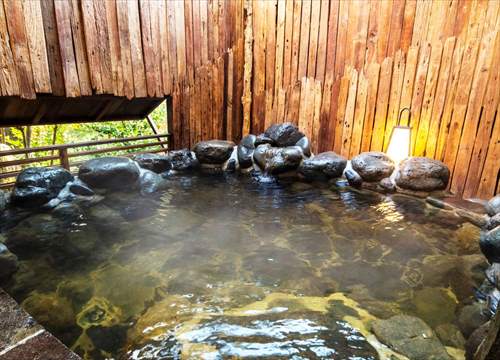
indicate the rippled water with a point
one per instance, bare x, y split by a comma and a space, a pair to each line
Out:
236, 266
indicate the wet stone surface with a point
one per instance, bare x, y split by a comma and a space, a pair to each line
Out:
229, 265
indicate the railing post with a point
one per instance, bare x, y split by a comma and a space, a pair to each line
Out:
63, 157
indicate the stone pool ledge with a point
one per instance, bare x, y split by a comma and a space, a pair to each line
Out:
21, 337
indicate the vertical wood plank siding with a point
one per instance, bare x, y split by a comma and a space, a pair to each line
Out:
342, 70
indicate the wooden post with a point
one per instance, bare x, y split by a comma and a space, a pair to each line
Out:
246, 99
63, 157
170, 120
155, 129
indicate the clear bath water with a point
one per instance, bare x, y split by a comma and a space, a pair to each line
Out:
242, 267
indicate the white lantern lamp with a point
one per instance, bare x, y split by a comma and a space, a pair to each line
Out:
400, 141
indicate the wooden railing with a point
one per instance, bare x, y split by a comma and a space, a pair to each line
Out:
65, 153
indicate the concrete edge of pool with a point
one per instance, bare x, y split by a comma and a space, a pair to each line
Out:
21, 337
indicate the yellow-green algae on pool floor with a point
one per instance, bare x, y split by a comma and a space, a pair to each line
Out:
269, 304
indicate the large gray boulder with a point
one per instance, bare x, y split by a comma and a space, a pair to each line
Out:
323, 165
8, 262
373, 165
38, 185
285, 134
153, 162
275, 160
245, 151
114, 173
493, 206
490, 244
182, 160
213, 152
422, 174
410, 336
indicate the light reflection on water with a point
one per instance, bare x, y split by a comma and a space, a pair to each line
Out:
162, 277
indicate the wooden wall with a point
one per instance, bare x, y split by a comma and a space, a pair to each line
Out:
341, 70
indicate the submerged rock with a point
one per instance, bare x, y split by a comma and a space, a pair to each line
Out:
490, 244
245, 151
8, 262
50, 309
493, 206
283, 135
373, 165
353, 178
435, 305
475, 340
411, 337
68, 212
182, 160
150, 182
277, 160
113, 173
422, 174
450, 335
214, 152
153, 162
323, 165
37, 185
471, 317
305, 145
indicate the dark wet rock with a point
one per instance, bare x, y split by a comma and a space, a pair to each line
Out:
245, 151
153, 162
68, 212
78, 292
475, 340
285, 134
3, 201
422, 174
305, 145
353, 178
182, 160
110, 339
493, 206
150, 182
493, 222
387, 185
114, 173
277, 160
37, 185
214, 152
434, 305
411, 337
323, 165
471, 317
493, 274
373, 165
490, 244
230, 165
78, 187
450, 335
263, 139
8, 262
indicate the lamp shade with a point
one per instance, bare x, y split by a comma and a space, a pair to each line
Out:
399, 143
